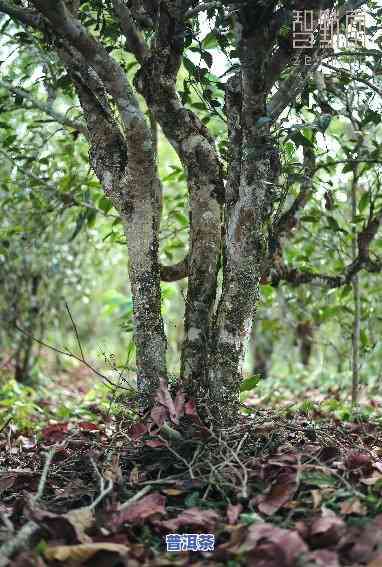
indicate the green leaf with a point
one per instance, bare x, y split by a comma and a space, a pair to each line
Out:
207, 58
210, 41
333, 224
310, 218
91, 216
364, 339
318, 479
189, 66
105, 204
363, 202
250, 517
181, 218
300, 140
345, 291
249, 383
347, 168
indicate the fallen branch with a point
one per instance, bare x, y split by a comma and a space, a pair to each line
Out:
136, 497
22, 538
25, 534
104, 490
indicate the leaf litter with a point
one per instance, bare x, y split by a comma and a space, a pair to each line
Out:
276, 490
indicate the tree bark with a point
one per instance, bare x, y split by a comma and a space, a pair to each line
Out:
196, 150
253, 169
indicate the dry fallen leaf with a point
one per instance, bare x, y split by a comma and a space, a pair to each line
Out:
327, 529
69, 527
264, 537
158, 415
137, 430
78, 554
163, 396
324, 558
353, 506
316, 497
145, 507
233, 512
193, 517
7, 480
280, 494
82, 519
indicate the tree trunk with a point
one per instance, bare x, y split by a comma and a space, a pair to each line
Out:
24, 352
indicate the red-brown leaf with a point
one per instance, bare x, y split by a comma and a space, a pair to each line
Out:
7, 480
280, 494
190, 408
137, 430
287, 541
357, 460
87, 425
55, 431
155, 443
158, 415
361, 547
163, 396
233, 513
326, 530
144, 508
179, 403
192, 517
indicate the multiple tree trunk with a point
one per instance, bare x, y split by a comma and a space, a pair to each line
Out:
230, 211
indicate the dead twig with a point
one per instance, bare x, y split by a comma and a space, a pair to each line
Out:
103, 489
136, 497
21, 540
44, 475
72, 355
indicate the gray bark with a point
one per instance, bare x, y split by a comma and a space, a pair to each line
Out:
253, 171
241, 240
195, 147
125, 162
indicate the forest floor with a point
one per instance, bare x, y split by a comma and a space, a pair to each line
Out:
280, 489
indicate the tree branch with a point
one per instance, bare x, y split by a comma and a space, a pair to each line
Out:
362, 261
288, 220
291, 87
128, 178
75, 357
192, 12
108, 70
23, 15
45, 108
134, 40
354, 77
176, 272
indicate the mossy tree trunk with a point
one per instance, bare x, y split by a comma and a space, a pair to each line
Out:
231, 204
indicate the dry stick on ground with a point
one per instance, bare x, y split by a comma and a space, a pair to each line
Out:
244, 479
136, 497
103, 490
21, 539
176, 454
